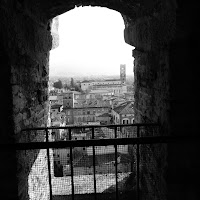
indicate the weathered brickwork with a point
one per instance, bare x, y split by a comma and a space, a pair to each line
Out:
152, 103
151, 86
28, 52
164, 86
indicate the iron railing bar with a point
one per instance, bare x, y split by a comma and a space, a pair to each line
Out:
94, 168
116, 166
100, 142
71, 163
138, 165
95, 126
49, 165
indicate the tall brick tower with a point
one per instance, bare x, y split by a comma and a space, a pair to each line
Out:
123, 73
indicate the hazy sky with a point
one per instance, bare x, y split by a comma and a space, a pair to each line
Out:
91, 42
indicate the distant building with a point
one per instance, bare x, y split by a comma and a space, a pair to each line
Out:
129, 96
124, 113
123, 73
98, 94
56, 108
104, 118
69, 98
69, 115
114, 86
93, 85
116, 89
58, 119
56, 99
57, 90
86, 111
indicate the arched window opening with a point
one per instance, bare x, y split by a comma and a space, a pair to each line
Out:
92, 68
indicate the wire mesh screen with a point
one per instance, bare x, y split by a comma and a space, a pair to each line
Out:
33, 174
91, 174
93, 170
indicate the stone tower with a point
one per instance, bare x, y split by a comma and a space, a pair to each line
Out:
123, 73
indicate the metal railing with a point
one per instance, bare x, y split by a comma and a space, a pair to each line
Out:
135, 139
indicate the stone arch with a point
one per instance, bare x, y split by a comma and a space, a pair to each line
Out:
45, 10
53, 8
53, 13
161, 55
125, 120
132, 121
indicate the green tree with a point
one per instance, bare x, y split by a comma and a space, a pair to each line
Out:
58, 84
77, 88
66, 86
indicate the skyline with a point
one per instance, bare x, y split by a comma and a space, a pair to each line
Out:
91, 45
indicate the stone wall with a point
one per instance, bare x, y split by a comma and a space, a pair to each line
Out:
8, 161
26, 44
166, 80
150, 35
166, 86
151, 106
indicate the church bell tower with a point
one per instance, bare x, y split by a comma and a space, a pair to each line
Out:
123, 73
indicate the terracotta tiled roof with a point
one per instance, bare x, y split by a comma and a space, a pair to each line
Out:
92, 103
125, 108
104, 115
85, 81
87, 161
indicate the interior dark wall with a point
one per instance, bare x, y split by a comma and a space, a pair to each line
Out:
183, 173
184, 69
8, 159
166, 90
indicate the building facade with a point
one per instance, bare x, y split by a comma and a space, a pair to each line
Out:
89, 85
84, 114
123, 114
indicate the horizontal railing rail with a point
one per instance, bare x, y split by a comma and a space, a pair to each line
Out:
93, 126
100, 142
136, 140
